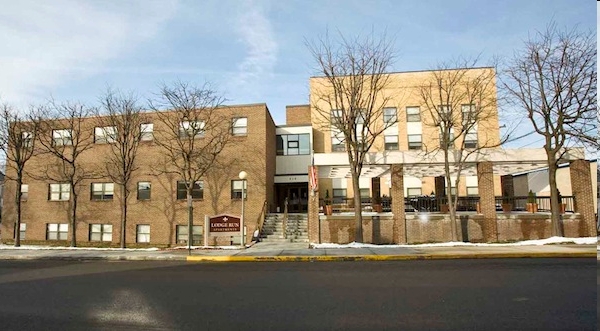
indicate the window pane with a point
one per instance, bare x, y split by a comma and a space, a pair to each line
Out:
53, 227
107, 237
304, 140
54, 187
52, 235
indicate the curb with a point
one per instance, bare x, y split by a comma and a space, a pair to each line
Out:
332, 258
93, 258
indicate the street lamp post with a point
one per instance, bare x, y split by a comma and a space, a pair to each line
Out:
243, 176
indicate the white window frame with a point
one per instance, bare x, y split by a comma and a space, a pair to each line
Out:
389, 118
239, 126
143, 189
105, 191
389, 141
101, 232
142, 233
412, 141
57, 231
24, 192
62, 137
146, 131
192, 129
22, 230
27, 139
237, 187
59, 192
413, 114
181, 231
105, 134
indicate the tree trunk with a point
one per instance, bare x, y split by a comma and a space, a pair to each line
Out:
357, 209
18, 223
190, 220
124, 195
554, 203
73, 218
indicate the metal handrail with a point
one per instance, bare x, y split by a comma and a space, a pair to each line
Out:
285, 217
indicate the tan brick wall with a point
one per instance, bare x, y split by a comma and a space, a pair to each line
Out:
584, 196
487, 201
297, 115
430, 228
254, 153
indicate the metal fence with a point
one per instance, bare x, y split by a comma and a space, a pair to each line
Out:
436, 204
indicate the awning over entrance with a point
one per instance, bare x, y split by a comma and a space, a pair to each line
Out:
419, 164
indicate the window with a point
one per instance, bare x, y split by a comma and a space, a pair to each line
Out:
143, 192
451, 190
62, 137
27, 139
413, 192
450, 138
105, 134
146, 132
391, 143
390, 116
472, 191
415, 141
59, 192
365, 193
101, 232
337, 144
337, 116
445, 112
103, 191
142, 233
197, 190
22, 230
413, 114
182, 234
236, 188
293, 144
469, 114
191, 129
471, 139
57, 231
239, 126
24, 192
339, 195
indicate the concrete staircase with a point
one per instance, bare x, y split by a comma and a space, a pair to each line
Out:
296, 228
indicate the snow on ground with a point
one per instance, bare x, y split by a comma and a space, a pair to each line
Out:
41, 248
551, 240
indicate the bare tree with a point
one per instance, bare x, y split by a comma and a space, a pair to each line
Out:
192, 133
66, 135
460, 109
553, 78
351, 97
123, 124
17, 141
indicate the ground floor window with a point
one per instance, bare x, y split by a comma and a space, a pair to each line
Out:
143, 233
57, 231
182, 234
339, 195
413, 191
22, 230
101, 232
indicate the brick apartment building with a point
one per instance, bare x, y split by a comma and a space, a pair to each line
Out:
277, 159
157, 213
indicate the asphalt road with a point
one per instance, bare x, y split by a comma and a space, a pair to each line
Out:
510, 294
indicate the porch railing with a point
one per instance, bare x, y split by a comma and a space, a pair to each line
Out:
435, 204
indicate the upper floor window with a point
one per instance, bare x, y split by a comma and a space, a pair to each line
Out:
24, 192
59, 192
146, 131
413, 114
105, 134
191, 129
415, 141
447, 138
469, 114
293, 144
336, 116
62, 137
471, 138
390, 115
143, 192
391, 143
445, 112
103, 191
237, 186
197, 190
239, 126
27, 139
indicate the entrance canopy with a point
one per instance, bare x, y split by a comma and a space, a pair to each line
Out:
420, 164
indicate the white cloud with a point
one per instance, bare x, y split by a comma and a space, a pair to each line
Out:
46, 43
256, 33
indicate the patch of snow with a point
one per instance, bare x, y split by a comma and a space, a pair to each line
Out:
42, 248
208, 247
548, 241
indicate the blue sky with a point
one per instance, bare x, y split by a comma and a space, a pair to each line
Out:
251, 51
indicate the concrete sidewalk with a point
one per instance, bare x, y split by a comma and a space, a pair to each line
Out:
301, 252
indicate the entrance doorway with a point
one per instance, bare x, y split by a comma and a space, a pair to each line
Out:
296, 195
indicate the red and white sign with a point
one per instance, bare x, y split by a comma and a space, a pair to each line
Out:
224, 225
